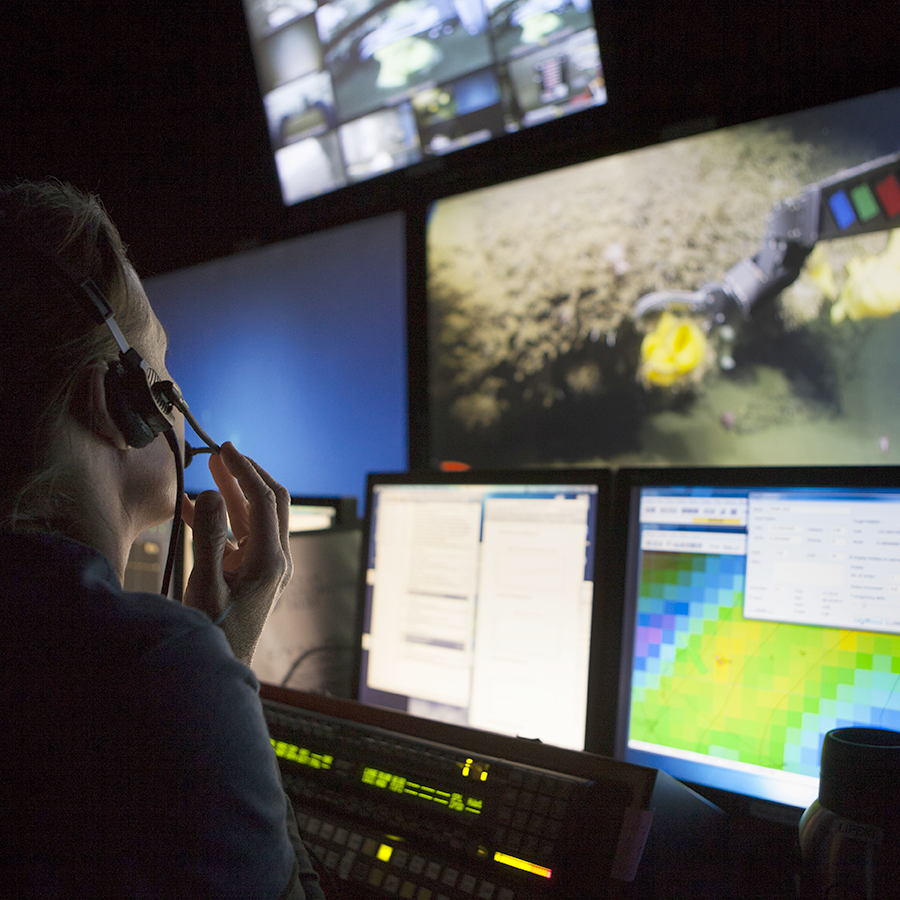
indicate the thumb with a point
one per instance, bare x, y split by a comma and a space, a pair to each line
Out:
206, 588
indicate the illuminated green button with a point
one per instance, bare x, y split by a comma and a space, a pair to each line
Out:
864, 202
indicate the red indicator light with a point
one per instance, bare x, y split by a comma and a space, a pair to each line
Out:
888, 192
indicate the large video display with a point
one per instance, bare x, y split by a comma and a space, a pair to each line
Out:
572, 318
297, 353
356, 88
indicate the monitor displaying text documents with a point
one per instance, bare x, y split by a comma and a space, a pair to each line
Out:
478, 598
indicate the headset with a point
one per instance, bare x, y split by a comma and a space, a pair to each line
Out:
140, 402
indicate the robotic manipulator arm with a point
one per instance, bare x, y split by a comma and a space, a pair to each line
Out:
860, 200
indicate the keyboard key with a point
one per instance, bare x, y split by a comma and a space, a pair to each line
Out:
432, 870
347, 861
359, 871
532, 781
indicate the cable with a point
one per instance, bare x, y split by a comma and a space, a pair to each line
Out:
325, 648
176, 520
190, 452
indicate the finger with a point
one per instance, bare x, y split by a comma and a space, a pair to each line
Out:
283, 512
187, 511
206, 588
233, 494
260, 507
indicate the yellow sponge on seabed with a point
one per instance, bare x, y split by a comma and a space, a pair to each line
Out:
672, 351
872, 288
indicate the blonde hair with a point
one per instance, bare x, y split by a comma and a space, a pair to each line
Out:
48, 337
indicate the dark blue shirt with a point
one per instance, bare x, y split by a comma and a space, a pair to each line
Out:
134, 757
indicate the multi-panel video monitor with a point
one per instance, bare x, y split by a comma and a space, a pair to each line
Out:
761, 610
356, 88
478, 598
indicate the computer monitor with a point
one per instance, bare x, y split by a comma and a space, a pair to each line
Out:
293, 351
532, 297
478, 599
760, 611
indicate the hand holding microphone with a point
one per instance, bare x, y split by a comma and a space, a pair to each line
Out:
237, 585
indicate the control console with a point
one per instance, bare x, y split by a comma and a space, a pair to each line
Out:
389, 809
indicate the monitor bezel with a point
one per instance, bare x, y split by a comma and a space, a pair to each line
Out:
601, 700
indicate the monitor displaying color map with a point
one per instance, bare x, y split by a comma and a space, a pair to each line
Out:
761, 611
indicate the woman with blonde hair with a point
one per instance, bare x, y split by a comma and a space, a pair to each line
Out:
135, 756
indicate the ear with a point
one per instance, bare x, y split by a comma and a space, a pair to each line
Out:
90, 407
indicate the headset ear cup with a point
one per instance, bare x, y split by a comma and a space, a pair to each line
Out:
119, 403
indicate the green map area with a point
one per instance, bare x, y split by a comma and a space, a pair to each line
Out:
707, 680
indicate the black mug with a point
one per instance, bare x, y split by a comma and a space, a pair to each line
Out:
850, 835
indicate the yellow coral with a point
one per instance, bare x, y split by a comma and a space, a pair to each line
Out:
819, 270
672, 351
872, 288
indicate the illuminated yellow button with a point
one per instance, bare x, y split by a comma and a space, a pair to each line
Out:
384, 852
522, 864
